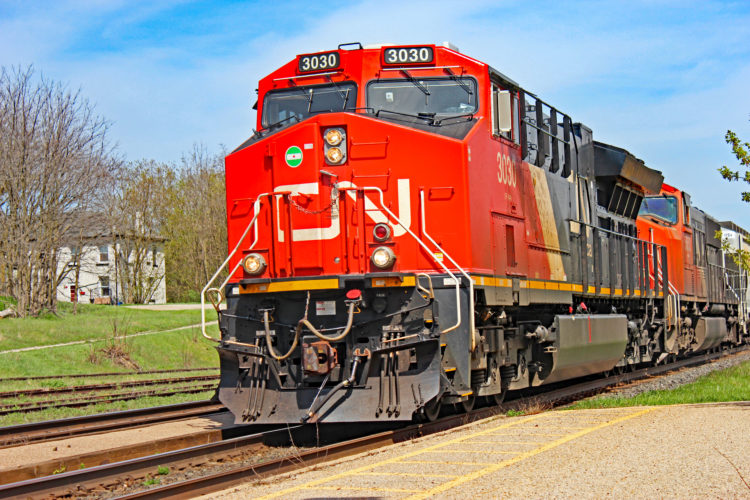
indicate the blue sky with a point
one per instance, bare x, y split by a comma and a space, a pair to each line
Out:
663, 79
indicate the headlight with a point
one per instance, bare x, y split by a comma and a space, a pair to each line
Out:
334, 145
334, 136
383, 257
254, 264
334, 155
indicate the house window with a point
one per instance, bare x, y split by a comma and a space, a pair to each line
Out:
104, 285
104, 253
73, 256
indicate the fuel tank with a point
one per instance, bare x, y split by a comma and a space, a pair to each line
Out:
586, 344
709, 332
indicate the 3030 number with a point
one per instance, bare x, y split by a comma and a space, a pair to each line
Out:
319, 62
407, 55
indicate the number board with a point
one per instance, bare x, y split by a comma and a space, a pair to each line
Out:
408, 55
318, 62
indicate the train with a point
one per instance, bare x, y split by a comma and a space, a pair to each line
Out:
410, 229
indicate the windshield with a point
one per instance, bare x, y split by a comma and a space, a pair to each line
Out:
295, 104
663, 207
428, 96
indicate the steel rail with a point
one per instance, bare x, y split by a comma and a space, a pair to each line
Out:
111, 398
105, 374
82, 481
102, 422
103, 387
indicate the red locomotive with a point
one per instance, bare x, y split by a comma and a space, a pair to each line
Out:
409, 228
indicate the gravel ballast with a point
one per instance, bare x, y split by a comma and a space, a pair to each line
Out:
676, 379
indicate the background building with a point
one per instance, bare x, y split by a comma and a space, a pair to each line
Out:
105, 268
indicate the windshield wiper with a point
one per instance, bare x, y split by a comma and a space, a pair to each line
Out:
416, 83
276, 124
460, 82
431, 117
422, 116
439, 122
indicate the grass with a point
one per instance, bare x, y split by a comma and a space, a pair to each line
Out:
180, 349
731, 384
92, 321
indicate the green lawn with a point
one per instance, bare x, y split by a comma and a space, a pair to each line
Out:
181, 349
731, 384
92, 321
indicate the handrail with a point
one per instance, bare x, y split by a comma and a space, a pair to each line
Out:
430, 252
206, 288
463, 272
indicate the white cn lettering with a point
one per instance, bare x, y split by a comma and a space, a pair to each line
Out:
334, 229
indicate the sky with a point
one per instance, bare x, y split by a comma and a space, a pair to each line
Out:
662, 79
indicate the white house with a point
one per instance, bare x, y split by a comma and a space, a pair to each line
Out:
99, 276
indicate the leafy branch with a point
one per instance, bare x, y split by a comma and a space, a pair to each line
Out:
741, 151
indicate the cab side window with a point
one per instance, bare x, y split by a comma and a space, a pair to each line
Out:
505, 114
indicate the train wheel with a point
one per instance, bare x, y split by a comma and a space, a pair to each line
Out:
432, 410
498, 399
468, 404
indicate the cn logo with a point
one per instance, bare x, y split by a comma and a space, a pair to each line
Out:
332, 231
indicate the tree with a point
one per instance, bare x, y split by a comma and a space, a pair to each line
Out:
196, 224
55, 160
137, 210
741, 151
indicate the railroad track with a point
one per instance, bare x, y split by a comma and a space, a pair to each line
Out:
105, 374
103, 422
89, 482
178, 385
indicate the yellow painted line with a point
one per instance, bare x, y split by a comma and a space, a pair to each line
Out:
577, 288
408, 474
444, 462
401, 458
447, 370
505, 442
638, 292
604, 290
569, 426
505, 463
368, 488
618, 291
467, 393
286, 286
478, 451
538, 285
592, 289
529, 434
